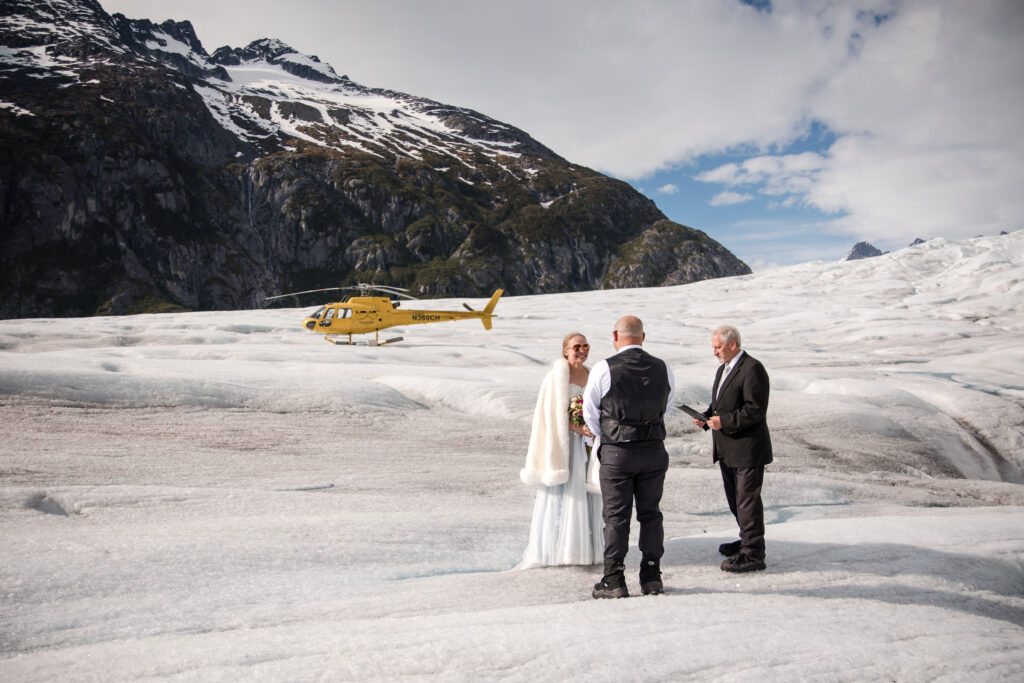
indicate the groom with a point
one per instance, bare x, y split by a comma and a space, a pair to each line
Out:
624, 403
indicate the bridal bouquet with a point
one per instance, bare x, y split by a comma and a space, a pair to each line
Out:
576, 411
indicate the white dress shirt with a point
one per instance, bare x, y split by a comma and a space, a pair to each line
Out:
598, 384
726, 370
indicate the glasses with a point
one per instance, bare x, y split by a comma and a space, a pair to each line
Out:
581, 347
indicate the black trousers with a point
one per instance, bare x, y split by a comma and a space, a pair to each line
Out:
743, 491
636, 472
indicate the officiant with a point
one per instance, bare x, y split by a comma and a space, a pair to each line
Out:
740, 444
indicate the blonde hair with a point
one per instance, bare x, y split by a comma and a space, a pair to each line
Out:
565, 342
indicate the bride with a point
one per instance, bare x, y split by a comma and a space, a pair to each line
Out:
566, 527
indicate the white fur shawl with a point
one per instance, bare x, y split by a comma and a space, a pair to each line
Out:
547, 458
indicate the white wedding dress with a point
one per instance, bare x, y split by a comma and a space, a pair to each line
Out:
567, 525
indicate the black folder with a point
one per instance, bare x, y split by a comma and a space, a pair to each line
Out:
695, 414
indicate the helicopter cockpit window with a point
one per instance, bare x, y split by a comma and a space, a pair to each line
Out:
328, 317
317, 313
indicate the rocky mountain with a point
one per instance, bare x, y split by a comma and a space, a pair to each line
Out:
139, 172
862, 250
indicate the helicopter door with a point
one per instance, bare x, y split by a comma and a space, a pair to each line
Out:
328, 318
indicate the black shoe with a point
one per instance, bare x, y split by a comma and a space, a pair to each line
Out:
650, 578
613, 584
606, 589
743, 563
730, 549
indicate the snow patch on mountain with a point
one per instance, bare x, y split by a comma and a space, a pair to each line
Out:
257, 93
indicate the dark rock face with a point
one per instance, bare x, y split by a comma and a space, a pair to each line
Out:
671, 254
862, 250
138, 173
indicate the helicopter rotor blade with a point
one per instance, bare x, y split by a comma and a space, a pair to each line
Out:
370, 285
365, 288
308, 291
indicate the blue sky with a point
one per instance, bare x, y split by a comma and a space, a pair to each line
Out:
788, 130
764, 230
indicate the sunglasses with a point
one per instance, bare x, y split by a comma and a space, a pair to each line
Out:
581, 347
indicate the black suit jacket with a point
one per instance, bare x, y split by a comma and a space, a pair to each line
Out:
742, 404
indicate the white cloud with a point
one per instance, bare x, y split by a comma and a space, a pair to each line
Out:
777, 175
787, 203
938, 97
932, 190
726, 174
670, 188
729, 198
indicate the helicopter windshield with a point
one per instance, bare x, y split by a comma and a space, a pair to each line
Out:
317, 313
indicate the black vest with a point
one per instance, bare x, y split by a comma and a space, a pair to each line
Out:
634, 408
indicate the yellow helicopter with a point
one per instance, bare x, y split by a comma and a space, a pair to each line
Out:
364, 313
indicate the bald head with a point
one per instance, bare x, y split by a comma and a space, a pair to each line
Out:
629, 331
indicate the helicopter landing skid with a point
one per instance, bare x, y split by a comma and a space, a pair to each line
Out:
368, 342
